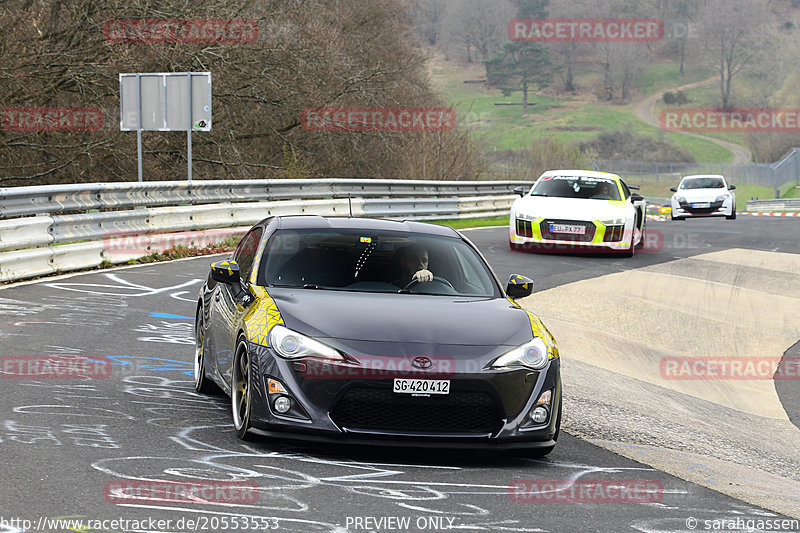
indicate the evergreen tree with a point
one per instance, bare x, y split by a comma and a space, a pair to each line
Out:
520, 66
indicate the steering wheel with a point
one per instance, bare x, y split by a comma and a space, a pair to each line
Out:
436, 279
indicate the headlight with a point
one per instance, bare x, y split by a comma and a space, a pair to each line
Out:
613, 221
533, 355
292, 345
520, 214
722, 198
680, 199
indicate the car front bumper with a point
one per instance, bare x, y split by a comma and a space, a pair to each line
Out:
335, 406
715, 209
533, 234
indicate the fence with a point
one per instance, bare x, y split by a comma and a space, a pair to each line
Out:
60, 228
774, 175
510, 164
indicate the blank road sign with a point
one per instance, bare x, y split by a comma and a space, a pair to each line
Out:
153, 109
165, 101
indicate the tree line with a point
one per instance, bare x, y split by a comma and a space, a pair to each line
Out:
729, 37
308, 54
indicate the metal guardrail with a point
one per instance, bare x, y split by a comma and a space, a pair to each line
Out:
57, 199
41, 227
784, 204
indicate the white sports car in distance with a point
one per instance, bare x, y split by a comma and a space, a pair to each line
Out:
703, 195
569, 210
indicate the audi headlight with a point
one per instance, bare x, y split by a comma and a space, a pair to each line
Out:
521, 215
292, 345
613, 221
533, 355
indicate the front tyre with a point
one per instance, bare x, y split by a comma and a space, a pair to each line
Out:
630, 252
241, 390
732, 216
201, 382
644, 234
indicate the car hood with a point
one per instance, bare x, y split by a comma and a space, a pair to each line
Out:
570, 208
708, 195
402, 318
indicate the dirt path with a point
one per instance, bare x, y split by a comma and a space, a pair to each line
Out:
645, 111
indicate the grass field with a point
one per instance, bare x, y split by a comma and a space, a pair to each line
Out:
568, 118
659, 77
706, 97
472, 222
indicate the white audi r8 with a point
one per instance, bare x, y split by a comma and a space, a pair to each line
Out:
703, 195
569, 210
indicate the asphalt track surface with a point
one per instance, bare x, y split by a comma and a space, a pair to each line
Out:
63, 440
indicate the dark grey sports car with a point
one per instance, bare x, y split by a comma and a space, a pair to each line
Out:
375, 331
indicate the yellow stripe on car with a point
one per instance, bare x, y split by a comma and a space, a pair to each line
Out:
540, 330
261, 317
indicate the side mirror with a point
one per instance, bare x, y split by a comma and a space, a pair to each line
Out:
636, 197
731, 187
633, 187
519, 286
225, 272
673, 189
519, 190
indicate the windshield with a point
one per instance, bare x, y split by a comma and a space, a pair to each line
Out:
706, 182
370, 261
585, 187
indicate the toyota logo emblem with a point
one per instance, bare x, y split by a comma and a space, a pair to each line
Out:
421, 362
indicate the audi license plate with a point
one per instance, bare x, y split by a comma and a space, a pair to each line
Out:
567, 228
701, 205
422, 386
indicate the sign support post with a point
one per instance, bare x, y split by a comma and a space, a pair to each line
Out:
189, 128
139, 125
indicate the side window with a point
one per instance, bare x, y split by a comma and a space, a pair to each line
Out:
625, 190
469, 269
245, 254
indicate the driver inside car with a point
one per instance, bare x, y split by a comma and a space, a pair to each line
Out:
603, 191
413, 261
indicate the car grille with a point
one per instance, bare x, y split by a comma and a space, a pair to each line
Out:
701, 210
524, 228
381, 409
544, 225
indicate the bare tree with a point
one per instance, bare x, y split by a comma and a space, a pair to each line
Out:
735, 33
478, 27
428, 16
